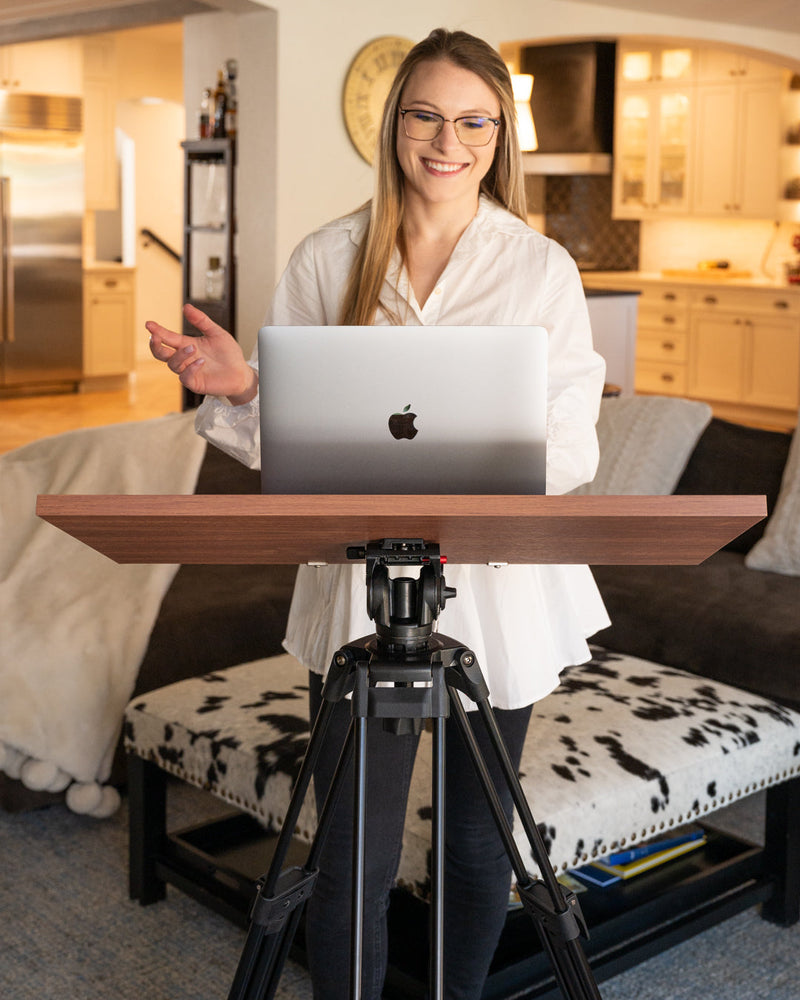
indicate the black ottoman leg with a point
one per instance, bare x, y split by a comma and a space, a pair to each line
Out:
147, 803
782, 852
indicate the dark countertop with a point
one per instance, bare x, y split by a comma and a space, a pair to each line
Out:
596, 293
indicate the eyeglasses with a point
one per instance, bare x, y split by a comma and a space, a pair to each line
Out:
471, 130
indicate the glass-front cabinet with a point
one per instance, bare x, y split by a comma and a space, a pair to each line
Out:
652, 143
655, 64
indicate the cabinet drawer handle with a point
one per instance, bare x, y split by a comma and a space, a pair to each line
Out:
781, 304
667, 319
670, 296
667, 345
110, 282
710, 300
666, 377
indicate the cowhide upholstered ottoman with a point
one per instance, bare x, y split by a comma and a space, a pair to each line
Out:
623, 751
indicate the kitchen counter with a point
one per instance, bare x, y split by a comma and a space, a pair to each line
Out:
603, 280
732, 341
107, 265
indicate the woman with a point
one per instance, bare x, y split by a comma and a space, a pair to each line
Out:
443, 241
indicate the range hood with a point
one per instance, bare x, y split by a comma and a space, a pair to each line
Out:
573, 107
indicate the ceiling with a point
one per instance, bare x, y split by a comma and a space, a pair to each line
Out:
27, 20
24, 20
775, 15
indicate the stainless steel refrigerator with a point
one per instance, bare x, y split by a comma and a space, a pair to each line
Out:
41, 226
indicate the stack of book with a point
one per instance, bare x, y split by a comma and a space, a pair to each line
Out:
627, 864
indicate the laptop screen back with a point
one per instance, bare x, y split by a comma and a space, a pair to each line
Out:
403, 410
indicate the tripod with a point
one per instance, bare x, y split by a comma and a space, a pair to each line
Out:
405, 674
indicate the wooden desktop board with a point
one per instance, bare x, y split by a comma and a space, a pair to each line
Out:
256, 529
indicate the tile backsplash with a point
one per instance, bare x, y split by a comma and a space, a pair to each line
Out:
577, 210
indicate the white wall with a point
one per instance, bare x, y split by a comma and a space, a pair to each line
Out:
756, 245
159, 207
318, 174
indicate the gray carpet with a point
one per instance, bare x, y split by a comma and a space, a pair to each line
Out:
69, 932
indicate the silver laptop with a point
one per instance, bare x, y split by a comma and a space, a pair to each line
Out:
397, 409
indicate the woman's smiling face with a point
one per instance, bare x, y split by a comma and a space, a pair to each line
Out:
444, 169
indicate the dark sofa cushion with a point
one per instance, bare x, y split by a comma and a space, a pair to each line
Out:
221, 474
733, 459
719, 620
218, 616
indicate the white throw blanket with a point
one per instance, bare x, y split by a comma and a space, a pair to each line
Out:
74, 625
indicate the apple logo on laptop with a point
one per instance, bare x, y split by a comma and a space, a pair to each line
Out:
401, 425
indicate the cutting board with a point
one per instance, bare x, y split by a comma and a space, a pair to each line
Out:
706, 273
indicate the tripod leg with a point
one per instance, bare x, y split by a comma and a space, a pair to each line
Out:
436, 971
554, 911
276, 910
359, 856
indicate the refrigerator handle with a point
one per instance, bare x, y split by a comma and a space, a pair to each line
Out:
6, 264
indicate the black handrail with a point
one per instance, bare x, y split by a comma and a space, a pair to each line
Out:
150, 235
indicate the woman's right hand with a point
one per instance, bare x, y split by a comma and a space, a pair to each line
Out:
211, 364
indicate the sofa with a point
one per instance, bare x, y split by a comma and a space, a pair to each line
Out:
735, 618
209, 617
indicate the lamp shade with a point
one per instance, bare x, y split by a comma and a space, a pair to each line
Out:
522, 84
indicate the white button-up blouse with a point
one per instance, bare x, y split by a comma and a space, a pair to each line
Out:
525, 623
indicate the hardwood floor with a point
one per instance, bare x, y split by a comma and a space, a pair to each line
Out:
153, 392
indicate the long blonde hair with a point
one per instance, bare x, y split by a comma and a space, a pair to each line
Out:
504, 181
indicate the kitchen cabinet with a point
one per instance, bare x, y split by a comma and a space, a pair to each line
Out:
721, 65
733, 345
662, 340
99, 116
644, 64
737, 136
653, 132
745, 349
108, 322
697, 132
48, 67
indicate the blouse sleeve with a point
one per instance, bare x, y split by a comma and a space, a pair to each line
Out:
575, 377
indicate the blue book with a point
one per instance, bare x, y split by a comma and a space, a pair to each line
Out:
641, 859
645, 850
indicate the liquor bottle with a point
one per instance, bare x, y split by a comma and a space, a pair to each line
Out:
220, 107
204, 129
232, 105
215, 280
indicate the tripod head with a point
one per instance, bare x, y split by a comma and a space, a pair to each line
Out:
404, 608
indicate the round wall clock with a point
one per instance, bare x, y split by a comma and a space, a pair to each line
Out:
366, 88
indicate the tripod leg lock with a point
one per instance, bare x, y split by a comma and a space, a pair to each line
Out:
293, 888
560, 926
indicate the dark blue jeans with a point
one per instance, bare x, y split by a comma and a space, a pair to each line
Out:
477, 870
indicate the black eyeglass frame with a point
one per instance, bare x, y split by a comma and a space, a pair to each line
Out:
454, 121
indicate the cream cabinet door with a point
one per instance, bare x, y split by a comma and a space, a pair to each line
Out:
718, 349
747, 358
49, 67
737, 135
772, 362
653, 149
108, 323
